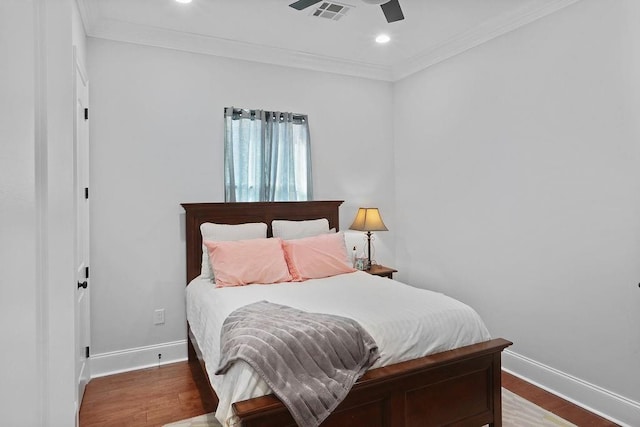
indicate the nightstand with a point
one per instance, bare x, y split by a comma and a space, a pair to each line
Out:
381, 270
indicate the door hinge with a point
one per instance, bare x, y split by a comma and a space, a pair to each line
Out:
86, 114
86, 272
86, 352
86, 193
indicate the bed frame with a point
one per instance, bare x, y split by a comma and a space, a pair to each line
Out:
459, 387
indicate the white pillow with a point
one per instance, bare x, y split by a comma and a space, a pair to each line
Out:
288, 230
226, 233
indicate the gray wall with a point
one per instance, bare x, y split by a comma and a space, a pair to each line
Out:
18, 320
37, 278
518, 189
157, 141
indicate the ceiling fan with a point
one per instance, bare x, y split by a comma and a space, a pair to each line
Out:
391, 8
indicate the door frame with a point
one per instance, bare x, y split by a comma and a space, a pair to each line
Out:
82, 320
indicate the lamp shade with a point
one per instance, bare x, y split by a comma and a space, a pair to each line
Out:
368, 219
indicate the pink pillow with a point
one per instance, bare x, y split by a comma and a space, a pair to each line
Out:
315, 257
243, 262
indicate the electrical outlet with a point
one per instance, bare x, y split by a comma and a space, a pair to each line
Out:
158, 317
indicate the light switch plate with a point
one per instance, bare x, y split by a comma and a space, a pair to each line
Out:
158, 316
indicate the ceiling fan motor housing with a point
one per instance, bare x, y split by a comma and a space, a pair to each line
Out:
391, 8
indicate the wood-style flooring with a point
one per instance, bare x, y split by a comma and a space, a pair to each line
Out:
552, 403
157, 396
148, 397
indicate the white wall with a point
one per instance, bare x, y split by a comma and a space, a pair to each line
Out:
157, 141
18, 323
36, 236
518, 190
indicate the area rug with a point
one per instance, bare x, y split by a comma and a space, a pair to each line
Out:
516, 412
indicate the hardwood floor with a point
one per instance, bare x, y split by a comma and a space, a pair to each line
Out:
148, 397
552, 403
156, 396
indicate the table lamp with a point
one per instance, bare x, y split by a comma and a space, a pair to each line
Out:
368, 219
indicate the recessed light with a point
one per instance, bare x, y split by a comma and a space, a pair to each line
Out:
184, 1
383, 38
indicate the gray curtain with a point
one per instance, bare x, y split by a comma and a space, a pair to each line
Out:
267, 156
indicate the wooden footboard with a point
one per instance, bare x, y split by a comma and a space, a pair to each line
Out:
456, 387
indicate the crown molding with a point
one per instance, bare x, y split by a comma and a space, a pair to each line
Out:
197, 43
109, 29
476, 36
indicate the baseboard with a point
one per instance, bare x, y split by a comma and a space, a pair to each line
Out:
137, 358
598, 400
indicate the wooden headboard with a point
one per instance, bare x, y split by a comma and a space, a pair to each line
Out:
240, 213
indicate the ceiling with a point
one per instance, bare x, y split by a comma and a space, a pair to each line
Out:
272, 32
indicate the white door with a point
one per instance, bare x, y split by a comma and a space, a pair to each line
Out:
82, 316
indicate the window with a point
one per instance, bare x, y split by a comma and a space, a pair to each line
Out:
267, 156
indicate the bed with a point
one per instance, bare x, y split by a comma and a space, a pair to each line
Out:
455, 387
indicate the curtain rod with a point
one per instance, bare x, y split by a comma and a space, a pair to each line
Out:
254, 113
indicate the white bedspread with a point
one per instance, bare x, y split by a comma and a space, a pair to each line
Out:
406, 322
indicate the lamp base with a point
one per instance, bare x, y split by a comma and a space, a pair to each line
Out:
368, 250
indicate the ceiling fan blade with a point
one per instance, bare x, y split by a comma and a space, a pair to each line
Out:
392, 11
303, 4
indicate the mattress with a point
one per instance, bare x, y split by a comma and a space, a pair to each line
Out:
406, 322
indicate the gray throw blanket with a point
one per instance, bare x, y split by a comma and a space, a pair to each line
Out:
309, 360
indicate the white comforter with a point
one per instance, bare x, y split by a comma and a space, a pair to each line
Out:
406, 322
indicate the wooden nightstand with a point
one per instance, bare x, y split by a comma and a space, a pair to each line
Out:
381, 270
